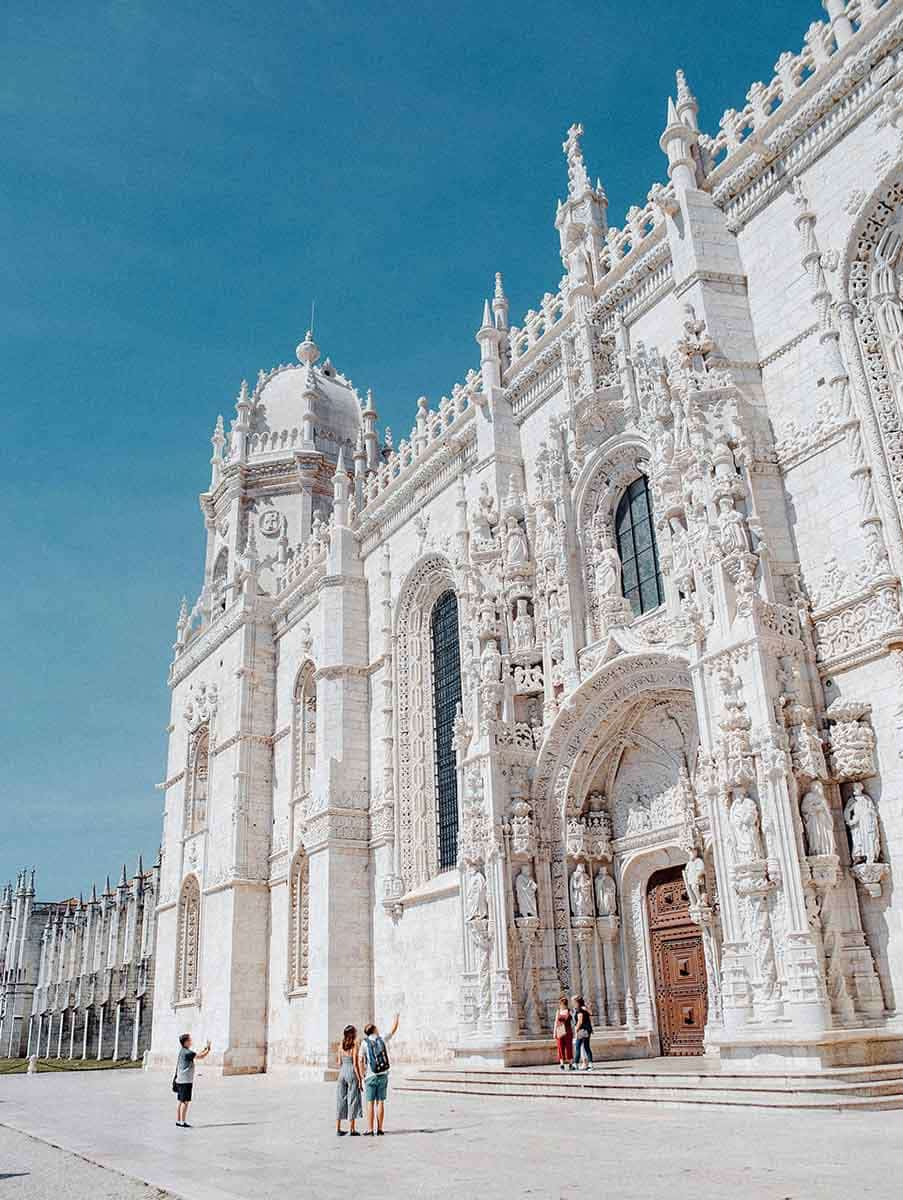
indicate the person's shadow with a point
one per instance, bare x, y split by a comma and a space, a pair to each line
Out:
14, 1174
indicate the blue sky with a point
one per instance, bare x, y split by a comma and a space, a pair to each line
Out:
180, 181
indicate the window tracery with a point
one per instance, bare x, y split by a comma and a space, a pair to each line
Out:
187, 940
299, 923
196, 817
304, 731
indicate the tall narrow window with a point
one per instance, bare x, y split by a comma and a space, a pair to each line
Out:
197, 793
446, 698
304, 731
187, 943
299, 923
635, 533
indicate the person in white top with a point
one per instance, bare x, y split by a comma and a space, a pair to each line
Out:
374, 1061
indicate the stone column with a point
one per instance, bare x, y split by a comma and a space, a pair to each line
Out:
607, 929
100, 1034
582, 929
527, 930
85, 1035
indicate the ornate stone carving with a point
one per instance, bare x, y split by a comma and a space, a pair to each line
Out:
606, 893
861, 815
200, 707
525, 888
852, 740
581, 889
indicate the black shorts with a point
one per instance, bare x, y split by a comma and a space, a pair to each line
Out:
183, 1092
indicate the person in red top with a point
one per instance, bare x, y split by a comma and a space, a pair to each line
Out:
564, 1035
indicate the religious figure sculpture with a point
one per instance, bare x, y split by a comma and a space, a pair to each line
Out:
581, 892
516, 550
694, 881
524, 630
732, 528
476, 901
525, 888
818, 821
607, 574
491, 662
554, 617
861, 814
744, 818
606, 900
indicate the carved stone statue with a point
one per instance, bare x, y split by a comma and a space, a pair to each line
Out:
606, 899
861, 814
476, 901
694, 881
732, 527
607, 574
745, 828
818, 821
581, 892
524, 630
491, 662
525, 887
516, 550
554, 617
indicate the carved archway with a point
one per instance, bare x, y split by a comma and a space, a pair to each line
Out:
872, 278
429, 579
593, 729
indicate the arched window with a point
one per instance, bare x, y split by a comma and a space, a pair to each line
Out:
641, 579
299, 923
304, 731
446, 698
220, 578
187, 940
197, 784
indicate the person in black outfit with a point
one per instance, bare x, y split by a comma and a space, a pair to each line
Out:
583, 1029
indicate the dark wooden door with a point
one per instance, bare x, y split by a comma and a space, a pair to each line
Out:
678, 963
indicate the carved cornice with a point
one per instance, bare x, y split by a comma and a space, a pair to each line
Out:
786, 347
171, 782
211, 639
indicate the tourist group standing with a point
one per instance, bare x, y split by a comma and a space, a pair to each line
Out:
573, 1030
363, 1069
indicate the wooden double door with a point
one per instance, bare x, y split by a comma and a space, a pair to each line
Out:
678, 964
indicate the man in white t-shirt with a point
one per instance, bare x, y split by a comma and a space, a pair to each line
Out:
376, 1076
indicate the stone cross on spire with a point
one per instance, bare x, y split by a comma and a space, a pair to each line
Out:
578, 180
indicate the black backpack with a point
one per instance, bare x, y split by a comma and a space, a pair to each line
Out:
377, 1055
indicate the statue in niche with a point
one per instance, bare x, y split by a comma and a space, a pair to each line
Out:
525, 888
581, 892
476, 900
491, 662
861, 815
545, 536
524, 630
554, 617
607, 572
733, 534
818, 822
694, 881
516, 549
606, 899
744, 818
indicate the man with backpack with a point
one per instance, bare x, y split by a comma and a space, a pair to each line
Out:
375, 1065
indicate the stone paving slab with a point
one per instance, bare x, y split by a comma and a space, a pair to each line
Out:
273, 1136
32, 1170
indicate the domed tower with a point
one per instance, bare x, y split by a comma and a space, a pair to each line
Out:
276, 472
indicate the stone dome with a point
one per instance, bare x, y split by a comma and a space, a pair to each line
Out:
281, 398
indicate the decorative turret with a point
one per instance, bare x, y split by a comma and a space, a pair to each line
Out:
371, 440
341, 489
581, 219
181, 625
216, 462
308, 352
500, 304
681, 137
241, 426
360, 469
488, 339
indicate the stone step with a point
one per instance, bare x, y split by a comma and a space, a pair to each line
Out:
886, 1077
783, 1092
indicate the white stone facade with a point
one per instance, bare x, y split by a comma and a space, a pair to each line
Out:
732, 356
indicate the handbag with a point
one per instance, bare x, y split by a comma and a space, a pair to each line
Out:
560, 1030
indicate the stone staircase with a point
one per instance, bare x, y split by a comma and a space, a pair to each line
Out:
674, 1082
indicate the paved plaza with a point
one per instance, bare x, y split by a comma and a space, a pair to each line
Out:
272, 1136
